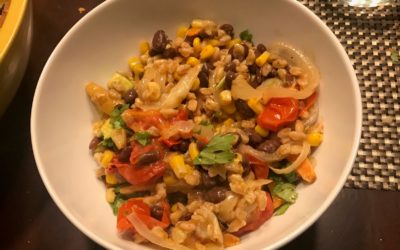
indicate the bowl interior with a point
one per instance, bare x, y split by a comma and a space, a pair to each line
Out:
101, 44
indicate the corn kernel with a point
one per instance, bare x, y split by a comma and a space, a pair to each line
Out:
110, 195
196, 84
233, 42
225, 97
262, 59
174, 207
179, 167
170, 179
181, 31
259, 130
193, 150
192, 61
213, 42
111, 179
314, 139
207, 52
108, 155
228, 122
144, 47
136, 66
255, 105
197, 45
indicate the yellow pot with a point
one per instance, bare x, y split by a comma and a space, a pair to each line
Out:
15, 39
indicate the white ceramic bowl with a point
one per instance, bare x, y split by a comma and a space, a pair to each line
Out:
102, 42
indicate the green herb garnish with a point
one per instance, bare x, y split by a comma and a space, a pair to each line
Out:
282, 209
118, 201
217, 151
285, 191
108, 143
246, 36
116, 119
142, 137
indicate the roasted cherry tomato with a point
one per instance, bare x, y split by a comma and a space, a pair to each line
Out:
257, 218
278, 112
259, 167
143, 171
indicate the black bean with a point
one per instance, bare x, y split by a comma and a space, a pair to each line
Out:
258, 79
170, 53
229, 77
244, 110
94, 142
203, 77
231, 66
216, 194
206, 180
182, 146
246, 166
273, 73
227, 28
130, 96
157, 212
153, 52
253, 68
160, 40
204, 73
176, 197
260, 49
254, 138
148, 158
270, 146
125, 154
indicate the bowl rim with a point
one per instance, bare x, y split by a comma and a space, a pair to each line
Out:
11, 25
311, 220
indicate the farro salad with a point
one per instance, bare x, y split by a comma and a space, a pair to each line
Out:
206, 136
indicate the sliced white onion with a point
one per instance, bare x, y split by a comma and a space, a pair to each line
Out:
142, 229
179, 92
296, 58
303, 155
241, 89
246, 149
178, 128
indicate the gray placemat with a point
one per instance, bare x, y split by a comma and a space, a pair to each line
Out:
370, 35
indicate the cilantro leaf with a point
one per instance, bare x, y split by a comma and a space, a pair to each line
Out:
246, 36
285, 191
108, 143
116, 119
217, 151
282, 209
291, 177
118, 201
142, 137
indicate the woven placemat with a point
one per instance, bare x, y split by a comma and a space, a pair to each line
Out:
370, 37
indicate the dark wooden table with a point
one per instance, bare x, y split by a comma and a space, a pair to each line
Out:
358, 219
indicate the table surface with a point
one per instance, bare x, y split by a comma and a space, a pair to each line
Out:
358, 219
